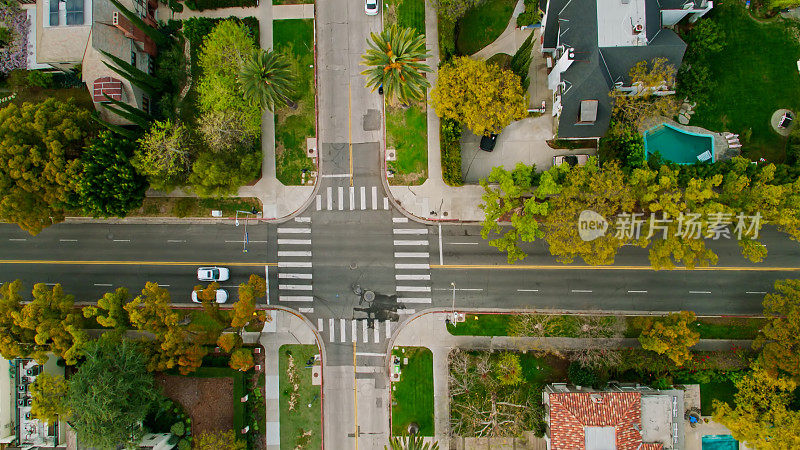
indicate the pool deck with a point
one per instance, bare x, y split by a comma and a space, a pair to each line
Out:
721, 150
693, 437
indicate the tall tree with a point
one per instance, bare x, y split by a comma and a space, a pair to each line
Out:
110, 310
157, 36
634, 107
128, 112
671, 335
221, 174
396, 61
39, 148
164, 154
225, 131
111, 394
49, 397
15, 340
521, 61
266, 79
241, 359
138, 77
484, 97
779, 339
245, 308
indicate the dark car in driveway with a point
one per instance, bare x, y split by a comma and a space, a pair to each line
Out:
488, 142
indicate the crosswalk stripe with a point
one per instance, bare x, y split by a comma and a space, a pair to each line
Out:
297, 287
399, 219
294, 253
295, 242
306, 310
341, 328
376, 328
319, 202
352, 198
299, 276
388, 329
402, 242
331, 329
353, 330
385, 202
404, 266
292, 230
406, 311
330, 197
294, 264
319, 325
413, 300
402, 277
374, 197
414, 288
295, 298
409, 231
409, 254
302, 219
363, 192
341, 198
364, 331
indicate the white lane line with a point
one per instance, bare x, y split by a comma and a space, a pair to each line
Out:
410, 231
400, 242
582, 291
353, 330
374, 197
400, 277
292, 230
294, 264
71, 240
413, 300
414, 288
53, 284
329, 198
400, 219
342, 329
527, 290
352, 198
17, 240
341, 198
637, 292
103, 284
294, 241
122, 240
388, 328
406, 311
163, 285
412, 254
294, 253
363, 191
296, 298
336, 175
364, 333
306, 310
295, 276
331, 327
176, 241
463, 243
319, 325
376, 329
295, 287
319, 202
699, 292
240, 241
370, 354
385, 202
755, 292
302, 219
411, 266
441, 250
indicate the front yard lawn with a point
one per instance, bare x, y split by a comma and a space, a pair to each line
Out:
406, 14
300, 424
481, 325
412, 396
407, 133
723, 391
295, 38
751, 81
482, 24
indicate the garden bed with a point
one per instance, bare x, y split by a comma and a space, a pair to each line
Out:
300, 424
412, 396
295, 38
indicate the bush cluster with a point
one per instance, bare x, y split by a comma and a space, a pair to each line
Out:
202, 5
531, 15
450, 141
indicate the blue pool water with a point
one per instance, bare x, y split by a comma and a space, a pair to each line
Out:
676, 145
720, 442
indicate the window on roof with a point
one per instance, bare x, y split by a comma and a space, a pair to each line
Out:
54, 12
74, 12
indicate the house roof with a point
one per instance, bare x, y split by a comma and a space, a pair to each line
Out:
576, 416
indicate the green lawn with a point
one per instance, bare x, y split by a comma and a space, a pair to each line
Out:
501, 59
752, 81
292, 2
482, 24
412, 396
192, 206
407, 132
238, 389
481, 325
405, 13
295, 37
715, 391
303, 419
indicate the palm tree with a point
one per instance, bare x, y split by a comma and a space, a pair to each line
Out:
265, 79
413, 442
396, 62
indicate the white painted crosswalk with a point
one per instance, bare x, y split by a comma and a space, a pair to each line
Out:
412, 266
340, 198
295, 267
357, 330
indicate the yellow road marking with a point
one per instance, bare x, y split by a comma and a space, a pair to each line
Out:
350, 126
571, 267
136, 263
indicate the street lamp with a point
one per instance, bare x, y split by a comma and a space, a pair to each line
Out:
252, 211
453, 283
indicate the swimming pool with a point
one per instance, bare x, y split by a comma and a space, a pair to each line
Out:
676, 145
720, 442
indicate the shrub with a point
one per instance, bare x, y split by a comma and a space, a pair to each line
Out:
183, 207
18, 79
40, 79
579, 375
662, 383
184, 444
202, 5
178, 429
6, 36
447, 39
450, 142
508, 369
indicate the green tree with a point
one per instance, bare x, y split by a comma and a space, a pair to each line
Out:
39, 148
108, 184
241, 359
761, 417
226, 131
623, 143
396, 61
482, 96
110, 310
221, 174
229, 341
111, 394
214, 440
508, 369
164, 154
635, 107
413, 442
580, 375
521, 61
49, 397
15, 340
779, 340
671, 335
265, 79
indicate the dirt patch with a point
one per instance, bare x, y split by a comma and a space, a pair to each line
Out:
208, 401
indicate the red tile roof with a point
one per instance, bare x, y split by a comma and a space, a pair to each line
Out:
570, 412
112, 87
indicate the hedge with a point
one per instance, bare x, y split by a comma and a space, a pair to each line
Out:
202, 5
450, 143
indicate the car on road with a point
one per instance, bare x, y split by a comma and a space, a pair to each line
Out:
213, 274
221, 296
488, 142
572, 160
371, 7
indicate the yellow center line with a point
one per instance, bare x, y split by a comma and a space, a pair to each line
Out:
350, 126
136, 263
571, 267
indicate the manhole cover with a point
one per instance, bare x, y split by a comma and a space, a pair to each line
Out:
369, 296
353, 266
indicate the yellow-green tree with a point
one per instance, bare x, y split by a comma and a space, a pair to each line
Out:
49, 397
245, 309
484, 97
671, 335
241, 359
110, 311
229, 341
761, 417
779, 339
647, 79
214, 440
15, 341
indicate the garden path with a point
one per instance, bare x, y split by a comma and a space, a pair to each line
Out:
509, 40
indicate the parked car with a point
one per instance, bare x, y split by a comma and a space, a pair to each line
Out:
213, 274
488, 142
221, 296
371, 7
572, 160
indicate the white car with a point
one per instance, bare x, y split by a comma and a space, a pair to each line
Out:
213, 274
371, 7
222, 296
